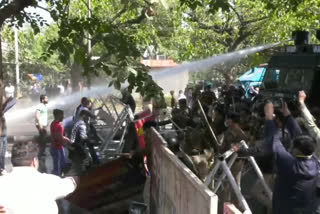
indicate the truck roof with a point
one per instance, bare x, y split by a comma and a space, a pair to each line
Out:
305, 60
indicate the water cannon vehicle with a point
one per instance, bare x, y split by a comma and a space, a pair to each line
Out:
294, 68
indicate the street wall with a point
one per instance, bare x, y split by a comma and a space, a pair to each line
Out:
174, 188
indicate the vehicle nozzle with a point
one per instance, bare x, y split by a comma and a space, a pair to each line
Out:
318, 34
301, 37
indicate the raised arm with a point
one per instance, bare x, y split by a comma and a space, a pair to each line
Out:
313, 129
272, 140
291, 124
293, 127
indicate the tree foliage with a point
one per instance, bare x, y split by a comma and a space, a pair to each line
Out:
31, 47
185, 30
215, 27
113, 38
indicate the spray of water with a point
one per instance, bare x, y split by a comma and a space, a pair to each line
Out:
204, 64
163, 76
178, 77
63, 102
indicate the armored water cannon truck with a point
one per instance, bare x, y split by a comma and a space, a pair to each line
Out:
294, 68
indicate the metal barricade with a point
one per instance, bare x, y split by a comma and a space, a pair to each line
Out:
226, 172
137, 208
122, 116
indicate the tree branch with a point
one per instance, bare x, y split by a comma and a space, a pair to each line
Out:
241, 38
222, 42
118, 14
215, 28
136, 20
14, 8
87, 5
240, 18
67, 8
255, 20
43, 8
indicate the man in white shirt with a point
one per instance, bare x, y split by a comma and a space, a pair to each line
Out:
9, 90
181, 95
25, 190
41, 120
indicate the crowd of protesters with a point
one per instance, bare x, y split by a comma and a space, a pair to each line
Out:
28, 181
285, 145
287, 150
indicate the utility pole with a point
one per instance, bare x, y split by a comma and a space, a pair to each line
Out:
16, 49
89, 44
89, 36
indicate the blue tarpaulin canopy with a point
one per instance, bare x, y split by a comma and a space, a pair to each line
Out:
253, 75
38, 77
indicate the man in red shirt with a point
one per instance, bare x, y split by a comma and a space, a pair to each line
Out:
58, 141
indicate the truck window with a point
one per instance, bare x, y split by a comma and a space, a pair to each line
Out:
271, 80
287, 79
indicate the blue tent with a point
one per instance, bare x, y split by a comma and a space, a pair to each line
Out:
253, 75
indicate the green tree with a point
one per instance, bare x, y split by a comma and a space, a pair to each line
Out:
31, 47
14, 10
220, 26
113, 28
111, 35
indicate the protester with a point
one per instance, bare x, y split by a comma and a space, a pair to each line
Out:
181, 95
182, 115
252, 93
70, 121
79, 139
61, 88
8, 104
309, 121
67, 87
297, 171
264, 156
172, 100
3, 145
58, 141
41, 119
233, 134
9, 90
25, 190
94, 136
128, 99
35, 88
189, 96
208, 97
84, 104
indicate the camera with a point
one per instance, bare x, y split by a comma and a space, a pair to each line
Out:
278, 99
277, 102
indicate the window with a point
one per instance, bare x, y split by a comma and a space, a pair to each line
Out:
288, 78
